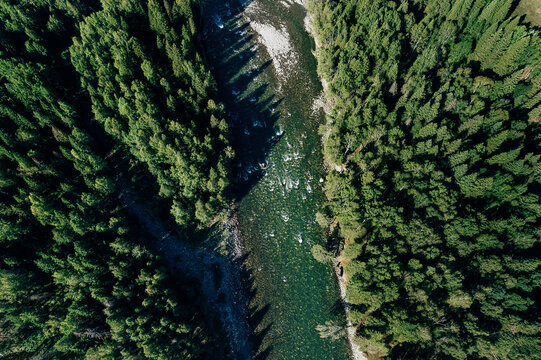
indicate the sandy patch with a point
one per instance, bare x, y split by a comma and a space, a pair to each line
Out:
300, 2
278, 44
288, 3
320, 102
277, 41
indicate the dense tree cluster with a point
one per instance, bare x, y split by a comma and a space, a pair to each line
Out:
152, 92
77, 278
434, 146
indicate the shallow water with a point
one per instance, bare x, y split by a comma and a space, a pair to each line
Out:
279, 166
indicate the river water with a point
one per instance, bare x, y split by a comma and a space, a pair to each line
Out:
260, 55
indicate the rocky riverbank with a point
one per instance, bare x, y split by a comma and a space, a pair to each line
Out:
356, 352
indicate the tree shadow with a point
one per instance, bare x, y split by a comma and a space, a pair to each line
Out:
237, 62
263, 355
337, 308
254, 314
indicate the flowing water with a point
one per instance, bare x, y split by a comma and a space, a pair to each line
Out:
260, 55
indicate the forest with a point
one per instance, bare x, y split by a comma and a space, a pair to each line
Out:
433, 145
89, 88
432, 196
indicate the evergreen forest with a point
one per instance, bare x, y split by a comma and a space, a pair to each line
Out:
431, 206
87, 88
434, 145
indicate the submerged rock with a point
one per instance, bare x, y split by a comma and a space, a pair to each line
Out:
218, 21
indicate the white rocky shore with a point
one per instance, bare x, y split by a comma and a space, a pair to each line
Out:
276, 40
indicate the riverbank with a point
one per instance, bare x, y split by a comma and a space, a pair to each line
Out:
260, 55
356, 352
219, 275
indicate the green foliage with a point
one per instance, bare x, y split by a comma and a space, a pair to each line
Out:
444, 185
151, 91
320, 254
78, 279
331, 330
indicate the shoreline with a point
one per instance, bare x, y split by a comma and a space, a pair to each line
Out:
197, 262
356, 353
233, 275
279, 42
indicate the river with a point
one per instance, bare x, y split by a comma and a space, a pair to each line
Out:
260, 55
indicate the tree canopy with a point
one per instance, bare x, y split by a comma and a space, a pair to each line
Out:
151, 91
435, 126
78, 279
